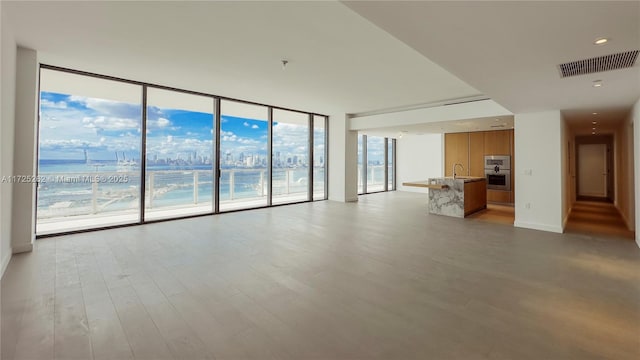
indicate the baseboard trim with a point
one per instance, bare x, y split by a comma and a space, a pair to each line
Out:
22, 248
5, 263
355, 199
541, 227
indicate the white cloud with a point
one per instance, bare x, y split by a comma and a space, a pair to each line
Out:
246, 124
255, 127
169, 138
110, 107
53, 104
110, 123
162, 122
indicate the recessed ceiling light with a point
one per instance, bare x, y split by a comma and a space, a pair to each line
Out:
593, 128
600, 41
597, 83
595, 113
593, 133
594, 122
497, 120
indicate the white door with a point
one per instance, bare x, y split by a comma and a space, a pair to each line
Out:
592, 170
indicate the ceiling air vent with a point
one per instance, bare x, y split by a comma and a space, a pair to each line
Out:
599, 64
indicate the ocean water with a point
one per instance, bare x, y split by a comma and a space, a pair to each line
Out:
69, 188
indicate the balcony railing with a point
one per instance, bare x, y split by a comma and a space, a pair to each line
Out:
375, 178
65, 195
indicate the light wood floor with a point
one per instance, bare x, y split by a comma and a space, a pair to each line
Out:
377, 279
495, 213
599, 219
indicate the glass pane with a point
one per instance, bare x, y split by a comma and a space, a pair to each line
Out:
89, 152
375, 164
243, 155
180, 153
319, 155
290, 157
390, 165
360, 166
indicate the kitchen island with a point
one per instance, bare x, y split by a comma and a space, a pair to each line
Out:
458, 197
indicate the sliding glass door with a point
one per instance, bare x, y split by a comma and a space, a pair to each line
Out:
376, 164
291, 156
244, 148
89, 155
179, 154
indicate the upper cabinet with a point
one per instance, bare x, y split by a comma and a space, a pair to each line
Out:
456, 151
497, 142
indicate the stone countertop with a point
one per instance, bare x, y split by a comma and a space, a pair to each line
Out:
450, 200
425, 184
443, 182
465, 179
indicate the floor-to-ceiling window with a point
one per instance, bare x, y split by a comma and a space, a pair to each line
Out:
89, 155
244, 147
391, 151
362, 168
291, 156
376, 165
101, 165
179, 154
319, 157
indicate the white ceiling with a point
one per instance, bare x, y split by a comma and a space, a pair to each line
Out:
510, 50
341, 61
454, 126
338, 61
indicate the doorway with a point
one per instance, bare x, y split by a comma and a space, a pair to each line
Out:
594, 168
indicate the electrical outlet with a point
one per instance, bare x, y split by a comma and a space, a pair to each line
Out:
527, 206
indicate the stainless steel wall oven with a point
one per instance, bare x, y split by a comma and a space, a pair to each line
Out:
497, 169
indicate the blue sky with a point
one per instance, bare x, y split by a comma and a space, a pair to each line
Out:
71, 124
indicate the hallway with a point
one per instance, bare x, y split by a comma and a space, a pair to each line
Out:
597, 218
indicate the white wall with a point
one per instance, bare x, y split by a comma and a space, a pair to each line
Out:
7, 116
635, 116
418, 157
343, 156
623, 171
566, 155
23, 211
539, 156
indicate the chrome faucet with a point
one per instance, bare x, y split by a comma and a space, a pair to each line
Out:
454, 169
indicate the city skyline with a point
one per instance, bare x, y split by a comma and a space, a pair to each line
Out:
72, 126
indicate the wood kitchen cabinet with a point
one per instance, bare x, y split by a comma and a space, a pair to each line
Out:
469, 149
498, 196
476, 154
513, 169
497, 142
456, 151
